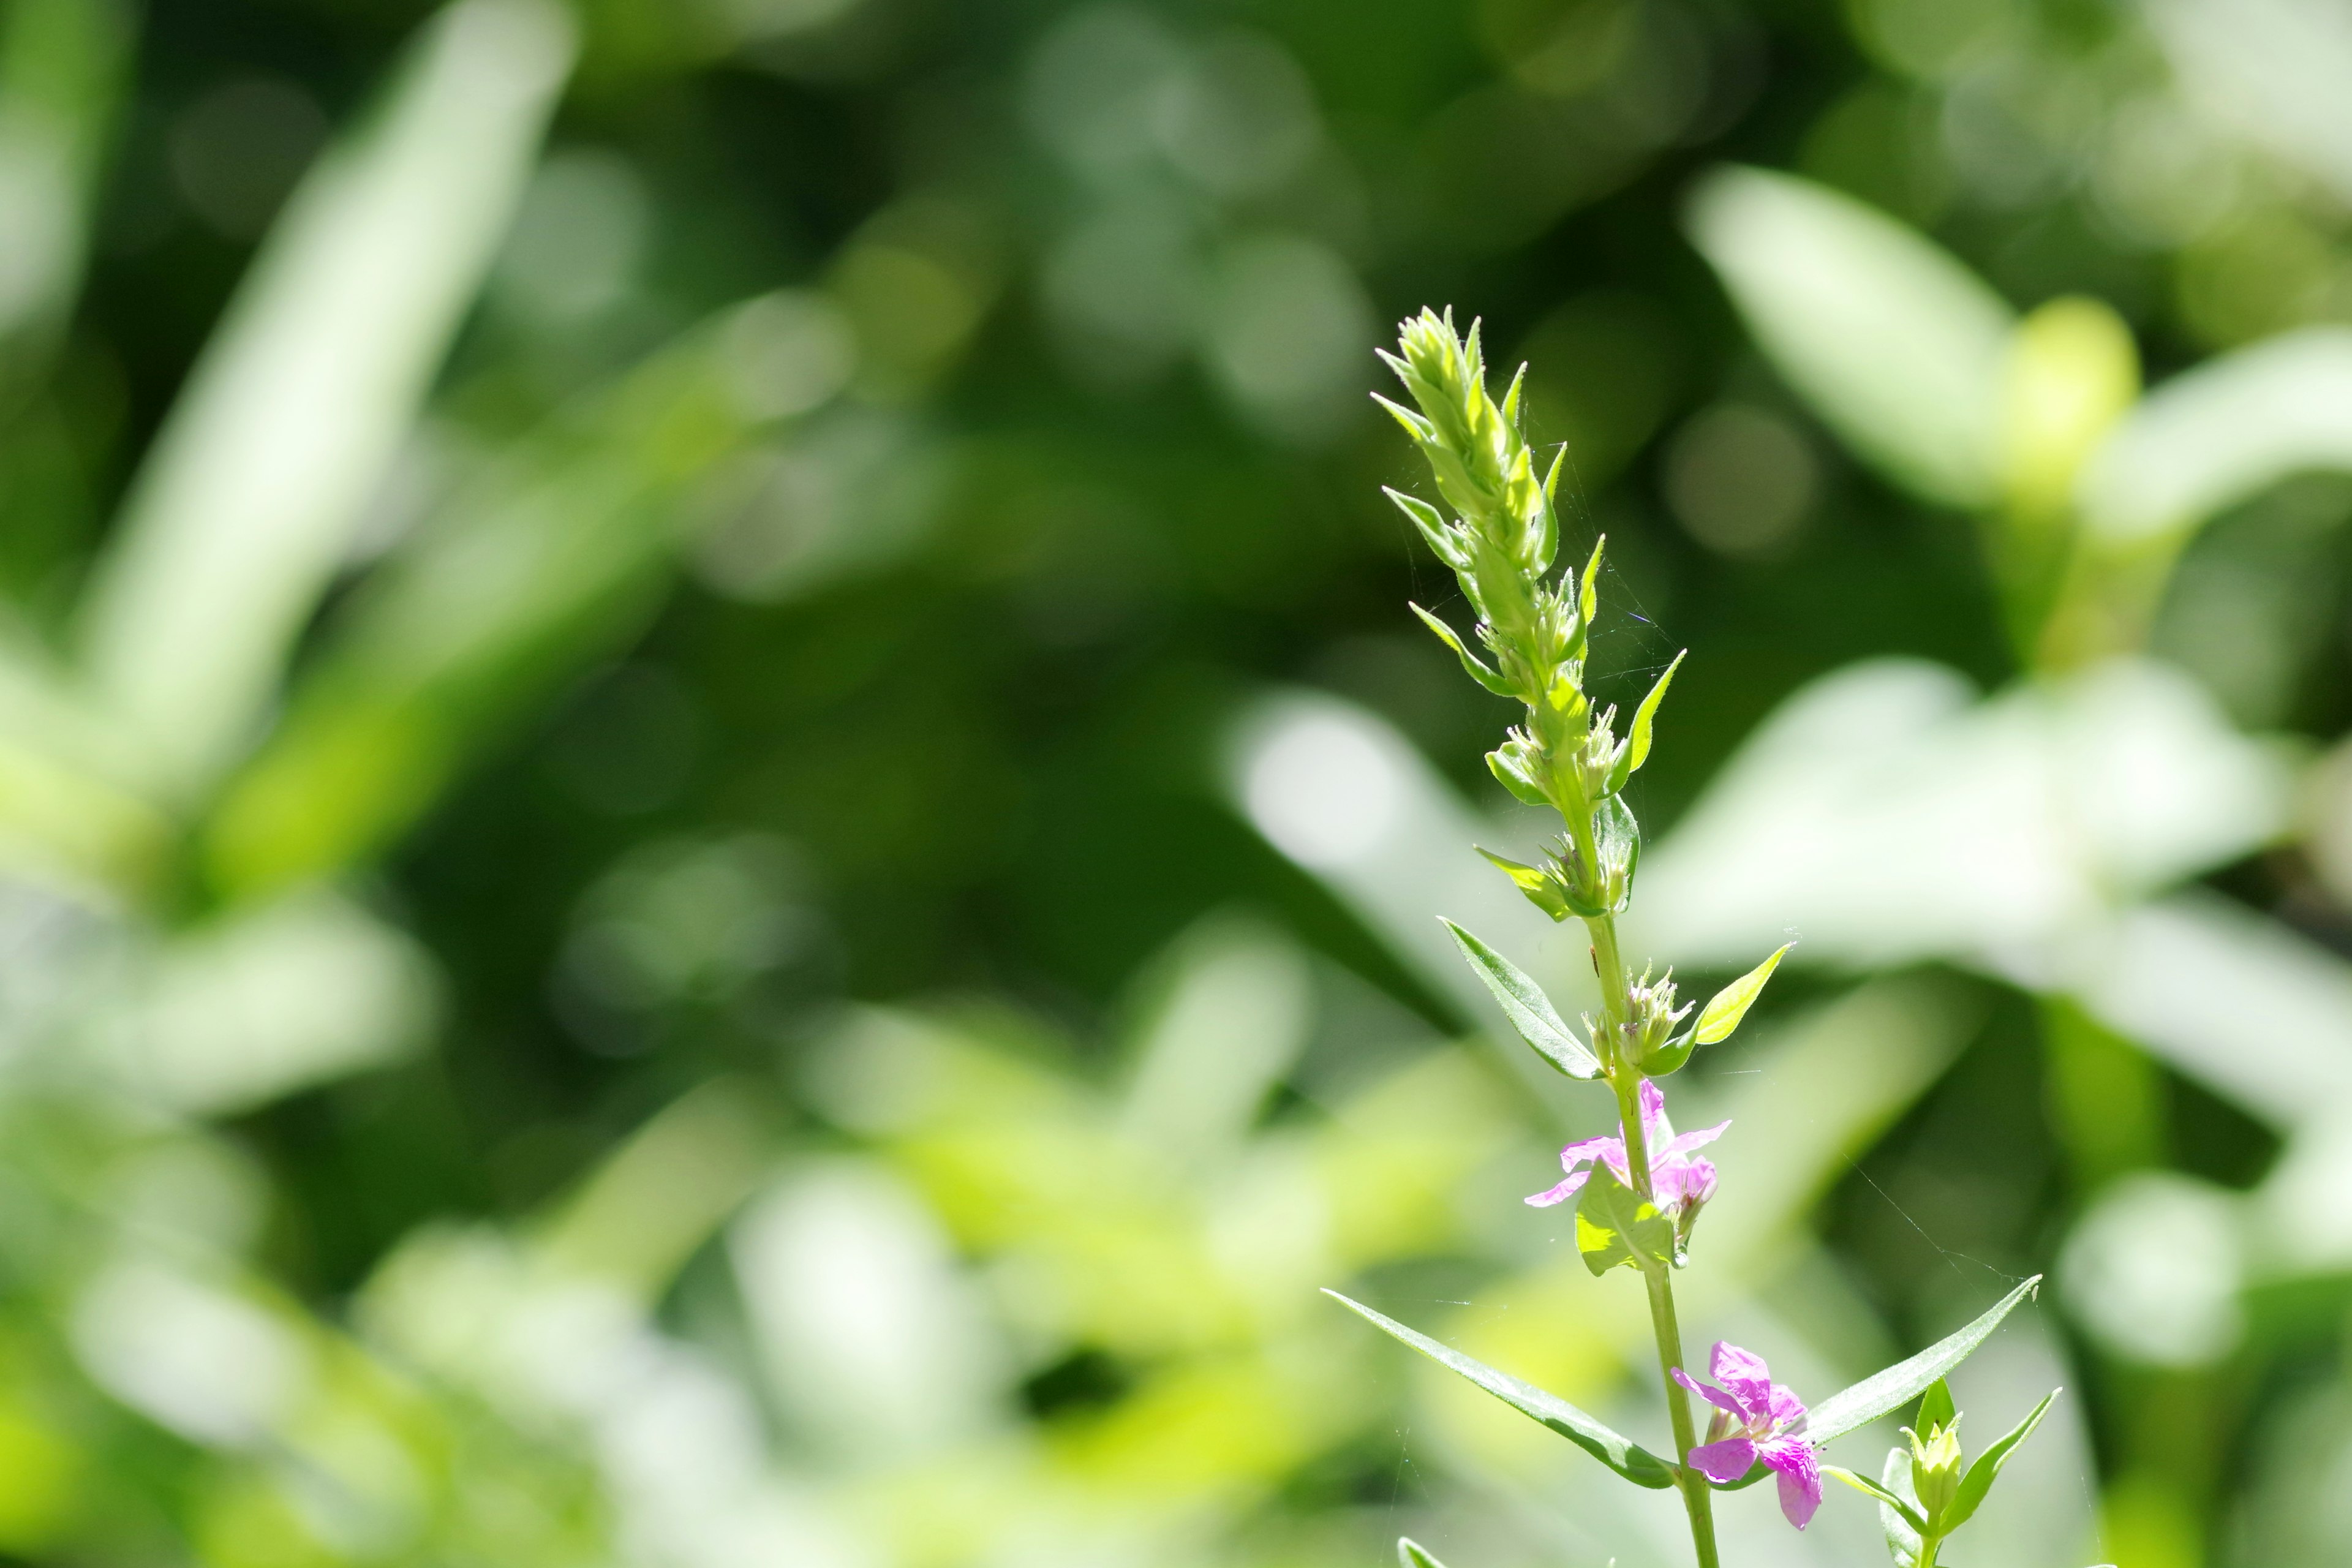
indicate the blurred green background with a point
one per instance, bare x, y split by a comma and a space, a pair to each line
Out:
719, 821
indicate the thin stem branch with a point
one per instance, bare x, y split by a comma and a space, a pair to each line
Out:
1698, 1501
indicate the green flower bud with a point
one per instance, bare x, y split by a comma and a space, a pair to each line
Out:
1936, 1467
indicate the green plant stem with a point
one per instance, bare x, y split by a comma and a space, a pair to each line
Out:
1698, 1501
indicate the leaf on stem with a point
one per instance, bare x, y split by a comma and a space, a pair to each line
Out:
1980, 1478
1539, 1023
1411, 1553
1903, 1542
1722, 1016
1637, 742
1897, 1386
1887, 1499
1619, 1453
1479, 670
1587, 595
1615, 1225
1541, 888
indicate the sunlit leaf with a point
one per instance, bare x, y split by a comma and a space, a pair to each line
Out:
1935, 1408
1615, 1226
1722, 1015
2221, 433
1411, 1553
1621, 1454
247, 503
548, 558
1895, 344
1478, 669
1909, 1515
1526, 1005
1987, 1467
1897, 1386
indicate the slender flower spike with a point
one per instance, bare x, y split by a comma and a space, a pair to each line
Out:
1756, 1418
1679, 1183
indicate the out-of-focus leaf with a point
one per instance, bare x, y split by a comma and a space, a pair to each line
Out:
1616, 1226
63, 67
1899, 1385
560, 550
656, 1198
1722, 1015
271, 1000
2274, 67
1987, 1467
1525, 1005
247, 503
1896, 344
1412, 1554
2219, 434
1622, 1454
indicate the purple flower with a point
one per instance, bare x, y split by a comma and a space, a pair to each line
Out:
1678, 1182
1756, 1418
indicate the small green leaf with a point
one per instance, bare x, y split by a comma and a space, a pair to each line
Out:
1587, 595
1478, 669
1511, 398
1551, 475
1909, 1515
1419, 429
1617, 843
1671, 1057
1720, 1016
1411, 1553
1524, 1003
1542, 890
1980, 1478
1902, 1540
1637, 750
1510, 771
1899, 1385
1935, 1408
1615, 1225
1621, 1454
1431, 522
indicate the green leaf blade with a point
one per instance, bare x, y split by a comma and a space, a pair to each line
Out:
1615, 1226
1887, 1499
1897, 1386
1987, 1467
1479, 670
1731, 1004
1637, 748
1936, 1407
1411, 1553
1531, 1012
1619, 1453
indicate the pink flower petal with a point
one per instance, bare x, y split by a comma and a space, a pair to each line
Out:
1690, 1141
1801, 1476
1592, 1148
1745, 1373
1726, 1461
1560, 1193
1714, 1396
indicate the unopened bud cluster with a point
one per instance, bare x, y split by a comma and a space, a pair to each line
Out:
1536, 631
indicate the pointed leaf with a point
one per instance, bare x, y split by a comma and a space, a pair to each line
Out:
1981, 1474
1588, 594
1431, 525
1722, 1015
1479, 671
1542, 890
249, 496
1899, 1385
1909, 1515
1615, 1225
1411, 1553
1621, 1454
1935, 1408
1903, 1542
1895, 343
1524, 1003
1638, 741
